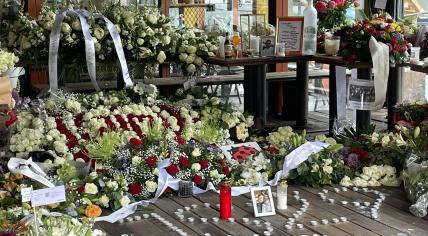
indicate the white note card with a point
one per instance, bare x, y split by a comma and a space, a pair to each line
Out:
47, 196
26, 194
380, 4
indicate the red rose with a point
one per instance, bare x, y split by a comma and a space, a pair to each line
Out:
273, 150
135, 142
81, 189
352, 57
183, 161
172, 169
362, 154
134, 189
179, 139
204, 164
151, 161
220, 161
197, 179
226, 170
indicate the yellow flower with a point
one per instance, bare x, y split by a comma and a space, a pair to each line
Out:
93, 211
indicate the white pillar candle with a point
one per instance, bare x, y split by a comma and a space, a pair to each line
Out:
281, 196
255, 44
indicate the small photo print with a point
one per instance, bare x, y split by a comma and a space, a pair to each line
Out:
267, 45
262, 201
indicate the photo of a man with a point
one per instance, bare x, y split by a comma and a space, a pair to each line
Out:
262, 201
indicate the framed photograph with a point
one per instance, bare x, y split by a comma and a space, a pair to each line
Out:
267, 46
289, 31
262, 201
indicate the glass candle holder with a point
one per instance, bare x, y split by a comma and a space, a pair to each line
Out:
185, 188
281, 195
332, 45
280, 50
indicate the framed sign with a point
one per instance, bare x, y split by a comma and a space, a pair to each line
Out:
267, 45
289, 31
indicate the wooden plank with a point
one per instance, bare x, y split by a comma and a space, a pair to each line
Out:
392, 217
169, 206
354, 217
231, 228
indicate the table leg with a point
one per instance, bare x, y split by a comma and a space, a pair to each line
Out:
302, 94
395, 75
255, 93
332, 99
363, 117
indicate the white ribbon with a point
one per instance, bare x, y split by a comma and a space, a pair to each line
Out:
380, 57
54, 45
29, 169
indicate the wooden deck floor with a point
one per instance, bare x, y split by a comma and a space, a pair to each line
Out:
394, 217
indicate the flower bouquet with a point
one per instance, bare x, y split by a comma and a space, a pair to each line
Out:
411, 115
332, 13
384, 29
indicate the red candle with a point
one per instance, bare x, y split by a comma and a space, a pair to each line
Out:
225, 201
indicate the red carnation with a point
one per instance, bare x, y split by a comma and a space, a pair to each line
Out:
81, 189
226, 170
197, 179
134, 189
135, 142
204, 164
151, 161
183, 161
172, 169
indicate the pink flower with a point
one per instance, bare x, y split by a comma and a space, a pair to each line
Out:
356, 3
321, 7
340, 3
332, 5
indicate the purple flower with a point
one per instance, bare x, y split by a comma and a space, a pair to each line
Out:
389, 46
352, 160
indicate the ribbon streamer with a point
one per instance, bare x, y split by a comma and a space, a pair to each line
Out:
54, 46
29, 169
380, 57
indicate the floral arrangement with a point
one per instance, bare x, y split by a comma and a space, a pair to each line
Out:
332, 13
384, 29
7, 60
411, 115
192, 48
146, 35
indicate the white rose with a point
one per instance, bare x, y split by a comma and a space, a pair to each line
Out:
327, 169
328, 161
136, 160
91, 188
191, 68
65, 28
196, 152
191, 49
151, 186
359, 182
112, 185
104, 200
196, 167
385, 141
76, 25
346, 181
166, 40
93, 175
152, 18
199, 61
140, 41
182, 56
99, 33
389, 170
124, 201
161, 57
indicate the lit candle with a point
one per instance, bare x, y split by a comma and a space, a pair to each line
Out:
332, 45
281, 196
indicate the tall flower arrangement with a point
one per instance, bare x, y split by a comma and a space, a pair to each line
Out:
384, 29
332, 13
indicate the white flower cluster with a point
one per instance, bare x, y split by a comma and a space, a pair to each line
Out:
254, 170
388, 139
375, 175
281, 137
7, 60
